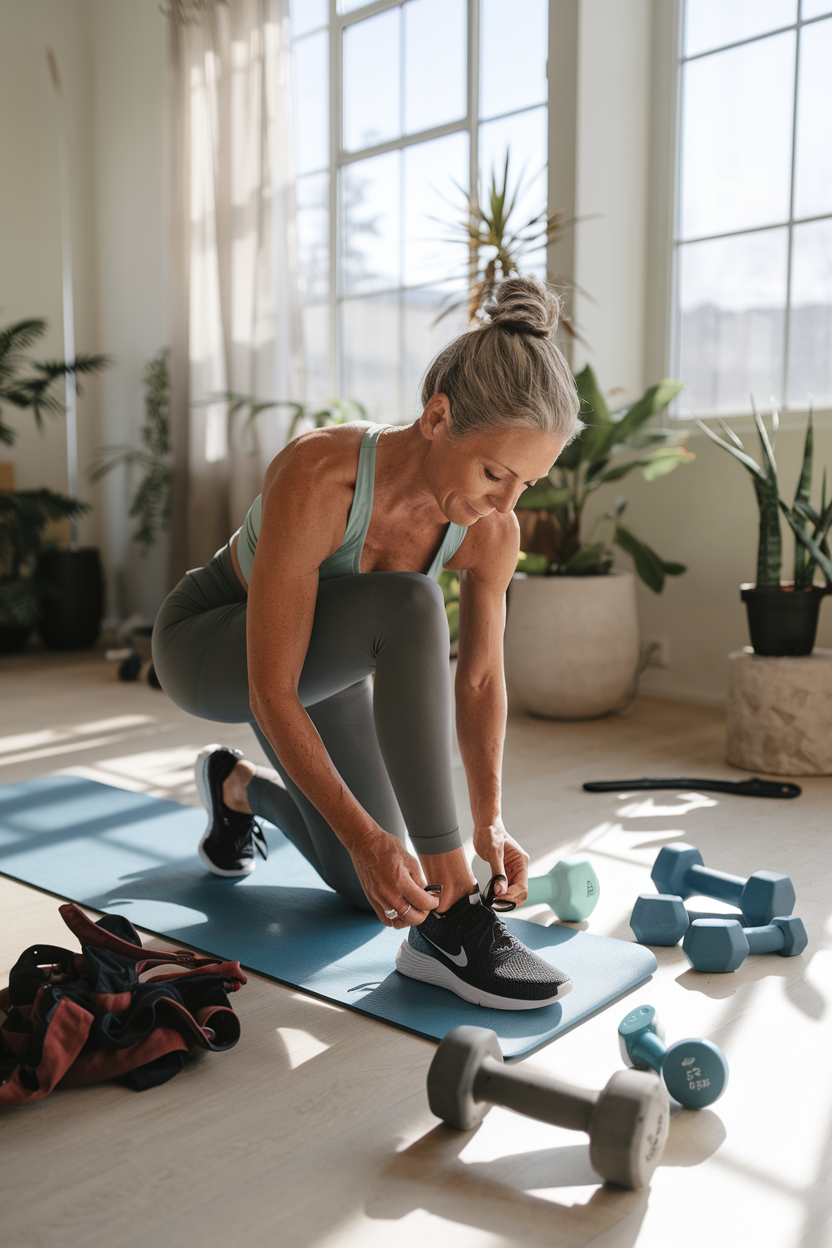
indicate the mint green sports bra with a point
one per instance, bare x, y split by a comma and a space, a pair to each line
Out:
346, 560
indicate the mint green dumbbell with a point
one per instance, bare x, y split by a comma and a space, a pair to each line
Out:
571, 888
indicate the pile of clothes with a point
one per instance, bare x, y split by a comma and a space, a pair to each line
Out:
113, 1010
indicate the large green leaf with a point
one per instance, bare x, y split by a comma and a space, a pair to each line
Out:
648, 565
588, 559
593, 403
664, 460
652, 402
543, 496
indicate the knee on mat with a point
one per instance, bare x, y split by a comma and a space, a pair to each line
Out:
417, 598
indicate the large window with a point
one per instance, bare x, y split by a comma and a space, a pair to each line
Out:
400, 108
753, 245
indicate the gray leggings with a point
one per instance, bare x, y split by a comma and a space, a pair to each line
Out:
390, 739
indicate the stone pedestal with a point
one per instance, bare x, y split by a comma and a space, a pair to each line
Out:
780, 713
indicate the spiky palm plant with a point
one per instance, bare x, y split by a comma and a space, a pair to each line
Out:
496, 245
30, 384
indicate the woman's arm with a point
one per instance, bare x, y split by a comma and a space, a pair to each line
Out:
297, 532
490, 560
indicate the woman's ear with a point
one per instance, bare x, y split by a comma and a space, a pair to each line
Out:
436, 416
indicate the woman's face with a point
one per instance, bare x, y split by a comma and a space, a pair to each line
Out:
484, 472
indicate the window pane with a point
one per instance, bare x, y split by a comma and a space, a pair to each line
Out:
815, 8
349, 6
515, 47
524, 138
810, 339
308, 15
370, 231
435, 63
736, 138
732, 299
313, 236
434, 209
316, 352
813, 171
370, 354
311, 75
372, 95
424, 337
713, 23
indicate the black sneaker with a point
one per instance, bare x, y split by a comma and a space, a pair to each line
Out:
470, 951
228, 843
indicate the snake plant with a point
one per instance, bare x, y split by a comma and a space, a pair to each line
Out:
810, 527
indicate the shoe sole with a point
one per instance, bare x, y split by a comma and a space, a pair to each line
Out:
203, 788
430, 971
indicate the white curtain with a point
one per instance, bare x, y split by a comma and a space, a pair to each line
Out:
236, 314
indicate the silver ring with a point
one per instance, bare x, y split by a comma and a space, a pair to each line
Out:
391, 914
404, 912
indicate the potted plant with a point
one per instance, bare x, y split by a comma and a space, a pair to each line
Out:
783, 615
24, 515
572, 637
151, 502
33, 590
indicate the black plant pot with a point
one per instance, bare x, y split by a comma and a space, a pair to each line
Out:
73, 601
782, 621
13, 637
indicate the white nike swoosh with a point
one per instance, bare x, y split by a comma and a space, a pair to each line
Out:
461, 958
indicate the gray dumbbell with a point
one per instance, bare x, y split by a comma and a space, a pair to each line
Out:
627, 1121
680, 871
659, 919
721, 945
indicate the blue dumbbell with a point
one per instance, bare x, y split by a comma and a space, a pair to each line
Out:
695, 1072
721, 945
679, 871
659, 919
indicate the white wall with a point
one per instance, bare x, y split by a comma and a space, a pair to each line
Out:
112, 58
130, 103
704, 514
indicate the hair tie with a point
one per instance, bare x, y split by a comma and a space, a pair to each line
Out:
521, 327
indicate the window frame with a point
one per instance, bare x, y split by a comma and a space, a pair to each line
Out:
670, 39
339, 159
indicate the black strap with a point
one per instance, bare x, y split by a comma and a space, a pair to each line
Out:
755, 787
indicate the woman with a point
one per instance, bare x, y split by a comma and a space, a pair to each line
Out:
331, 581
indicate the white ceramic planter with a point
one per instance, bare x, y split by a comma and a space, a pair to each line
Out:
572, 644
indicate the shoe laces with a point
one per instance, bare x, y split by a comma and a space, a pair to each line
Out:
483, 921
247, 831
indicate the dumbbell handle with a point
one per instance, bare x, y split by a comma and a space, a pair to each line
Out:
769, 939
718, 884
541, 889
534, 1094
649, 1050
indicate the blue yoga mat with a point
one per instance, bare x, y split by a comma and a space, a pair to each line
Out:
130, 854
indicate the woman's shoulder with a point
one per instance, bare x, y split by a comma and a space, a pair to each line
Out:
329, 455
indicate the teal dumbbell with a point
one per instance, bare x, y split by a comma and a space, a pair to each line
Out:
695, 1072
571, 888
721, 945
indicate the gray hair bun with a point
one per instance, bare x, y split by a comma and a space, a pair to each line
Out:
523, 305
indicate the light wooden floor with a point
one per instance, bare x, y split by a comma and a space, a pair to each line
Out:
316, 1130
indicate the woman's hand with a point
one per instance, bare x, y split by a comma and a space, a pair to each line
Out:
392, 880
505, 857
